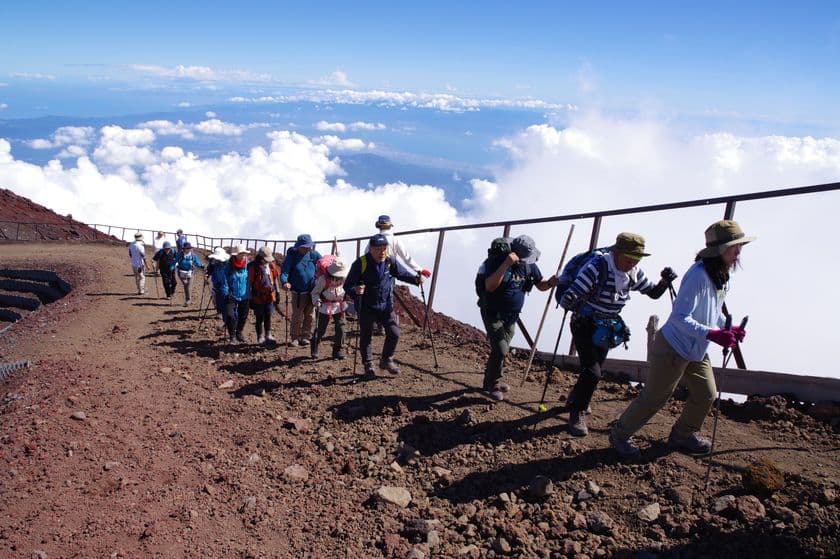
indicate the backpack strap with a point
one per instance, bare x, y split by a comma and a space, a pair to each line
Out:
363, 265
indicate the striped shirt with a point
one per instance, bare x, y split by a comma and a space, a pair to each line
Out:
614, 292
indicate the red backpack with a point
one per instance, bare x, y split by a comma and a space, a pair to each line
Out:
321, 266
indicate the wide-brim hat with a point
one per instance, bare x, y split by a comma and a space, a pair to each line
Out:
525, 248
304, 241
338, 268
721, 235
630, 244
219, 254
187, 246
239, 249
383, 221
138, 236
378, 240
266, 254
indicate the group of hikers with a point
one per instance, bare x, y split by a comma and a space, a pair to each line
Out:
593, 286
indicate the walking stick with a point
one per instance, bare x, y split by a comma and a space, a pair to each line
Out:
545, 310
201, 300
426, 321
726, 355
210, 300
286, 352
157, 289
541, 408
358, 333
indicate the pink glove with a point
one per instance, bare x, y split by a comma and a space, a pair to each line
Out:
739, 333
725, 338
426, 273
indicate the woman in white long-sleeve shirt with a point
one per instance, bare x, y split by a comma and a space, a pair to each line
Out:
679, 349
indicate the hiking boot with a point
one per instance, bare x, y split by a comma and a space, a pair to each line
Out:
692, 443
260, 338
369, 372
577, 424
303, 342
502, 387
269, 337
495, 393
240, 338
339, 355
389, 365
625, 449
293, 343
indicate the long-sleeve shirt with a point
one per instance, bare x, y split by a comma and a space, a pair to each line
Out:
137, 253
697, 309
614, 291
330, 293
299, 269
186, 262
378, 282
236, 284
397, 247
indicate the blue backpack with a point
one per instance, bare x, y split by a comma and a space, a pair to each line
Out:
575, 265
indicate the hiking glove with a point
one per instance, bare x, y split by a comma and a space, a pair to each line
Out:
739, 333
426, 273
724, 338
567, 301
668, 275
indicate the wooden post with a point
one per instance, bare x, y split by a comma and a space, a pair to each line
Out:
358, 248
436, 269
593, 244
506, 230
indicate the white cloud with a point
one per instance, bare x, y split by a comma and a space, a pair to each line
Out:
336, 79
32, 76
325, 126
184, 104
199, 73
63, 136
338, 144
366, 126
217, 127
123, 148
210, 114
437, 101
214, 127
3, 106
72, 152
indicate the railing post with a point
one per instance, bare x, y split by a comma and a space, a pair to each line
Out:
436, 269
729, 212
593, 243
358, 248
506, 230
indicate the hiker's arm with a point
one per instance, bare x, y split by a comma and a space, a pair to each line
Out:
404, 274
579, 291
353, 279
494, 280
315, 294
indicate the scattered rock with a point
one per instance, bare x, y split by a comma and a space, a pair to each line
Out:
392, 545
415, 554
583, 495
253, 458
749, 508
680, 494
650, 512
78, 415
540, 487
395, 495
296, 473
299, 425
724, 504
250, 503
599, 522
423, 526
433, 539
571, 548
225, 385
763, 478
469, 551
39, 554
501, 546
829, 495
165, 370
110, 466
593, 488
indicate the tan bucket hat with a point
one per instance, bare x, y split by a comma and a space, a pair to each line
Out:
266, 254
138, 236
630, 244
338, 269
239, 249
721, 235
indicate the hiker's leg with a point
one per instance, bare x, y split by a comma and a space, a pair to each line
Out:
665, 368
242, 315
259, 310
267, 318
308, 316
297, 316
231, 318
499, 337
340, 325
591, 358
700, 380
366, 319
392, 333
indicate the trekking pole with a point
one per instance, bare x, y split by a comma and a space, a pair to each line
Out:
210, 301
201, 300
286, 352
545, 310
673, 293
157, 289
726, 355
426, 322
358, 333
542, 407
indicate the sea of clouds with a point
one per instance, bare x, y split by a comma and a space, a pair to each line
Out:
294, 183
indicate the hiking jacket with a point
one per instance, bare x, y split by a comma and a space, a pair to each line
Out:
216, 272
165, 261
330, 293
299, 270
186, 263
396, 247
263, 287
697, 309
378, 280
235, 284
613, 292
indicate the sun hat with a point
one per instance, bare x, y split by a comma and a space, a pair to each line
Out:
379, 240
187, 246
338, 268
239, 249
631, 245
167, 244
383, 221
219, 254
304, 241
721, 235
138, 236
525, 248
265, 254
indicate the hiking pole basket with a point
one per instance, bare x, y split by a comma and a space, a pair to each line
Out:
429, 324
545, 310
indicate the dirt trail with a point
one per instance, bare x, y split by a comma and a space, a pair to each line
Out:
168, 464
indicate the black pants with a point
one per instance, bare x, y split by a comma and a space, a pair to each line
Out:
591, 359
167, 277
236, 314
389, 322
262, 313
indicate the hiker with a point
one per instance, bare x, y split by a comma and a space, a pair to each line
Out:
263, 284
679, 350
216, 276
396, 246
165, 260
503, 279
596, 297
137, 254
235, 290
370, 282
180, 240
186, 262
296, 275
157, 244
328, 299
